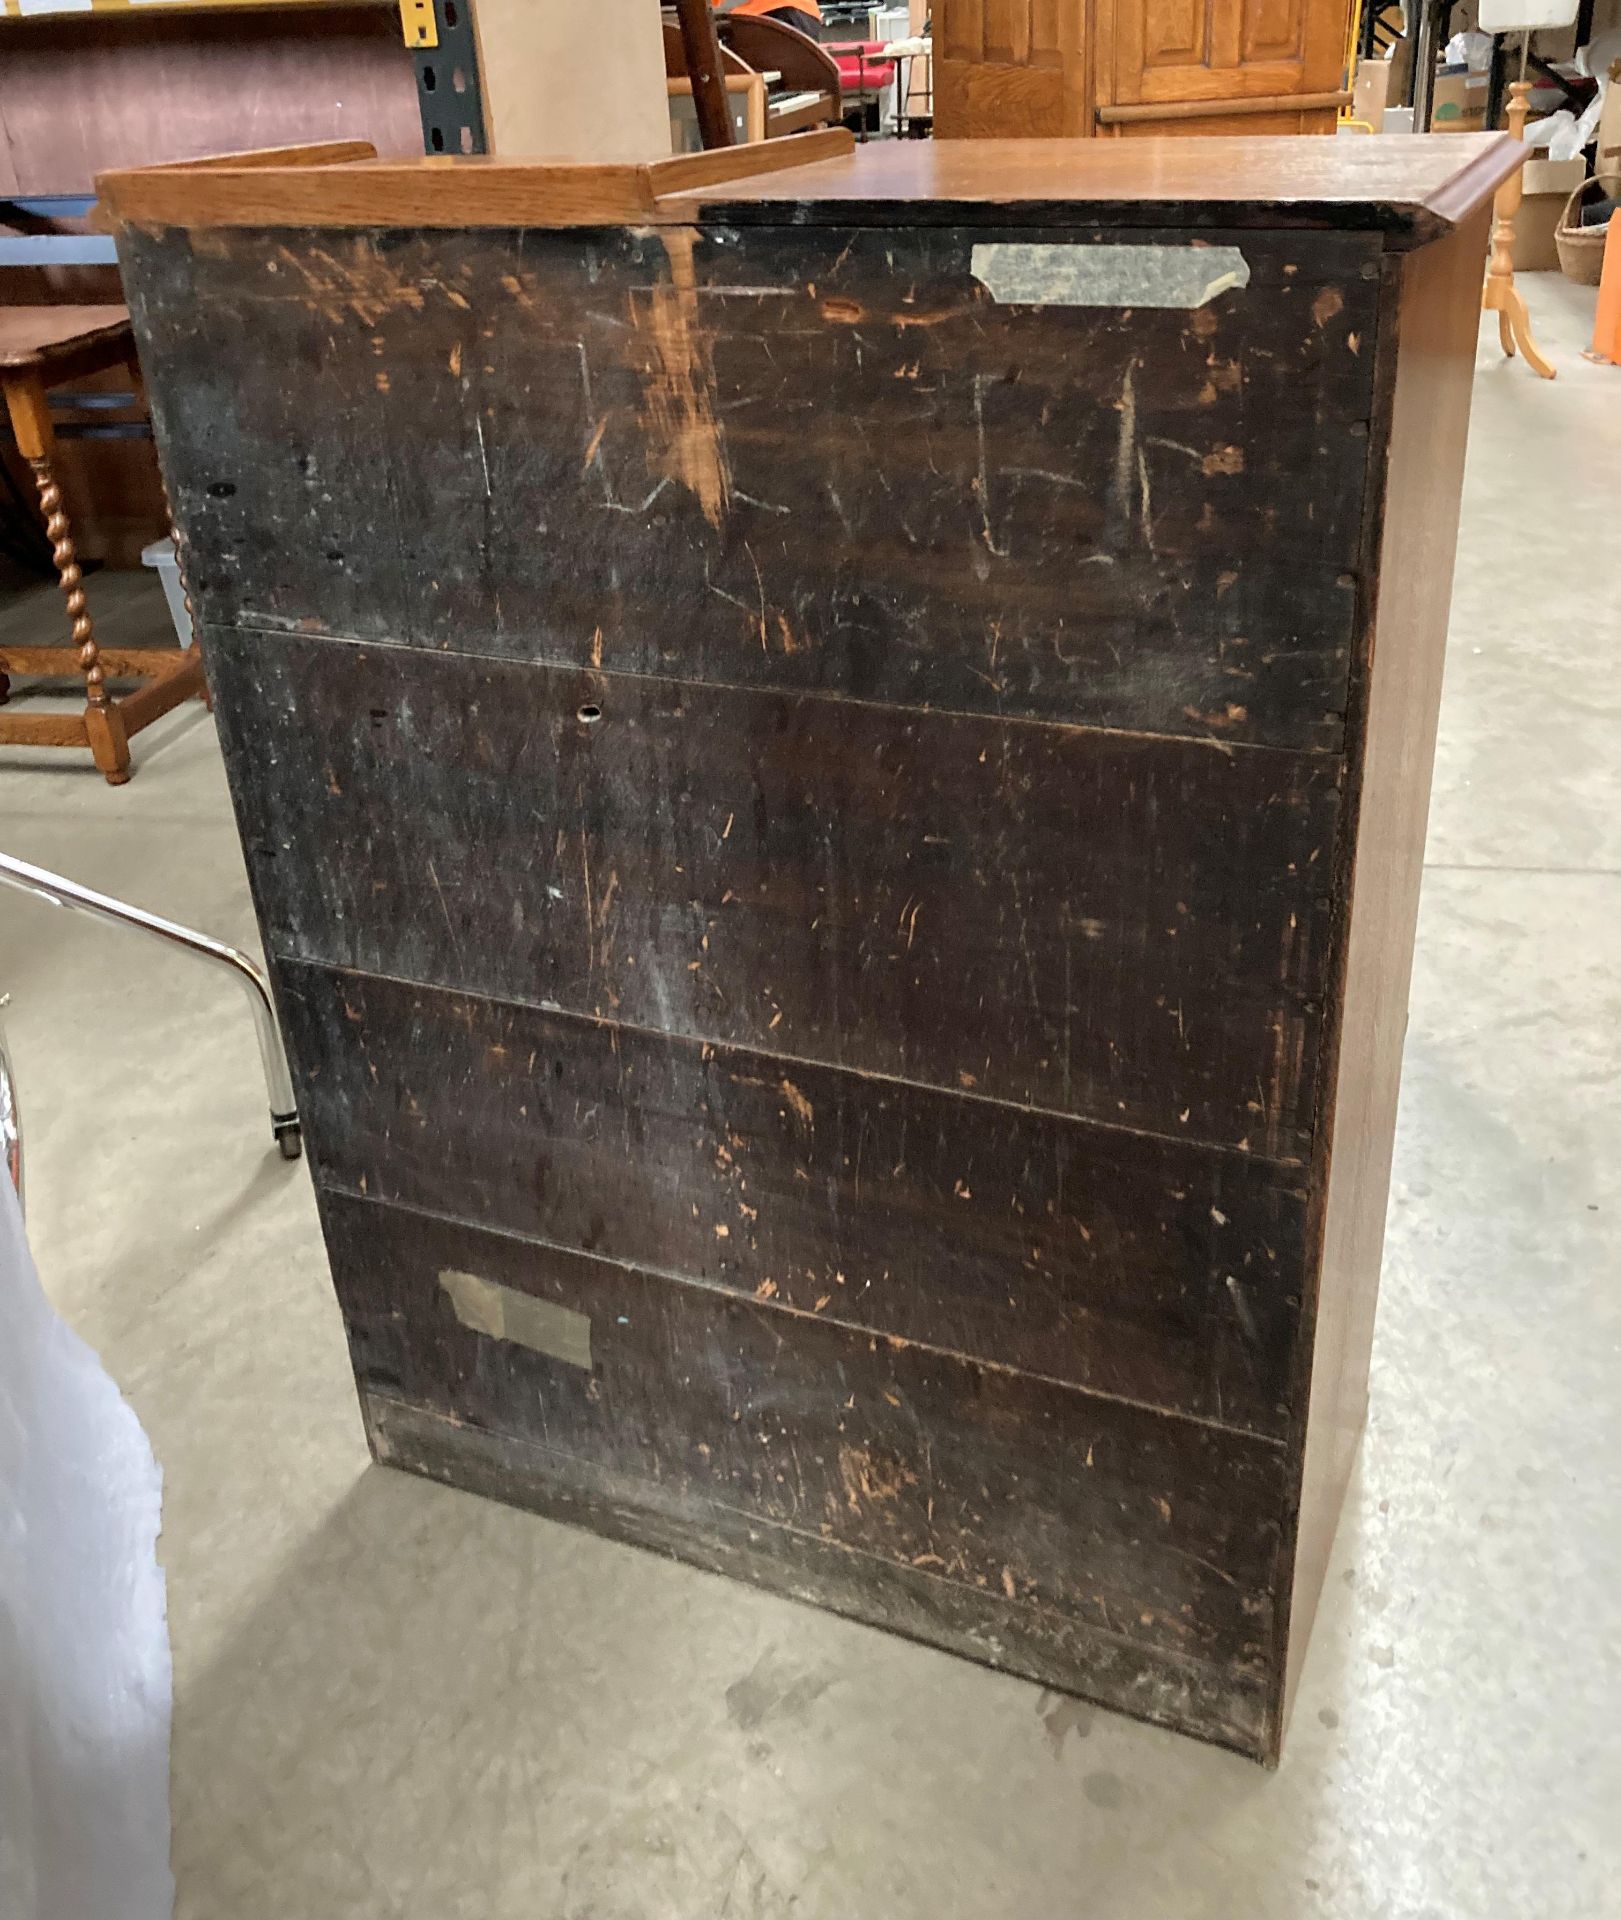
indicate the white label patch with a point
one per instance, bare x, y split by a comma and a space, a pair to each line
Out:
1068, 275
483, 1306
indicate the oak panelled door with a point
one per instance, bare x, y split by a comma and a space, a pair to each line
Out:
1043, 67
1014, 68
1153, 52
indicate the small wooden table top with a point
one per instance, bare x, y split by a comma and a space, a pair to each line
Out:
30, 337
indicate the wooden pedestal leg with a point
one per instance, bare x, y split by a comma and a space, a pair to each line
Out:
1502, 297
103, 723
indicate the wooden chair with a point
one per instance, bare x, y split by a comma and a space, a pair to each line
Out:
40, 348
804, 93
809, 94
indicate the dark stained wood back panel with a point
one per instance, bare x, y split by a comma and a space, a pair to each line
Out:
819, 461
1103, 924
1160, 1533
806, 821
1229, 1705
1150, 1271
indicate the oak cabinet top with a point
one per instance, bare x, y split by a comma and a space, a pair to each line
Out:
1412, 189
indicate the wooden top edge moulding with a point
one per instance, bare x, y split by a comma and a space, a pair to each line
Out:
1413, 188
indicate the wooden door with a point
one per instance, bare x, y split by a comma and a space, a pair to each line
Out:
1007, 69
1207, 52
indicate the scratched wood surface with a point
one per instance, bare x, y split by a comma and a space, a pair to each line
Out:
1164, 1533
1092, 922
1144, 1269
799, 814
1228, 1703
814, 461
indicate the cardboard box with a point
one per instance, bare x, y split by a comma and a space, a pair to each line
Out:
1608, 154
1371, 92
1458, 104
1544, 176
1401, 68
1534, 248
1546, 186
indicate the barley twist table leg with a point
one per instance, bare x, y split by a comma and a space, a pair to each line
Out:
30, 412
103, 722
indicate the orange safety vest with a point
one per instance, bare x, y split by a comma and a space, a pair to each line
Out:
741, 9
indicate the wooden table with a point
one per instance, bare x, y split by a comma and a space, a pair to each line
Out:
41, 348
834, 767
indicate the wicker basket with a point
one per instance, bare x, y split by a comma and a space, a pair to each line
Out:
1581, 249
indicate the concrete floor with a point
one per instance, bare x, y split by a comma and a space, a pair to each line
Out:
393, 1700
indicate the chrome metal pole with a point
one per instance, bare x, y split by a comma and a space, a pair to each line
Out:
1427, 39
278, 1081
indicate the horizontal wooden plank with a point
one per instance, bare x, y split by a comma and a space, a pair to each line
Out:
156, 697
811, 460
1232, 1707
41, 729
1161, 1533
1163, 112
1149, 1270
1122, 927
345, 185
310, 153
117, 663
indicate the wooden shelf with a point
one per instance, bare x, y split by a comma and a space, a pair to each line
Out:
12, 10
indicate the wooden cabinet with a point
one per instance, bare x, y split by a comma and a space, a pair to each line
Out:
1033, 68
833, 768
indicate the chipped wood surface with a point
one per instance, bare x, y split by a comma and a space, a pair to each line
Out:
1092, 923
1146, 1271
799, 814
1159, 1533
820, 461
1227, 1705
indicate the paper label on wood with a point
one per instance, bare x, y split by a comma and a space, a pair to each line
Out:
504, 1314
1066, 275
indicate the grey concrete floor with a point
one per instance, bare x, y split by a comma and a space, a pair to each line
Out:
394, 1700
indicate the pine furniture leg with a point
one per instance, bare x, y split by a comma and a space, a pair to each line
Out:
1502, 297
